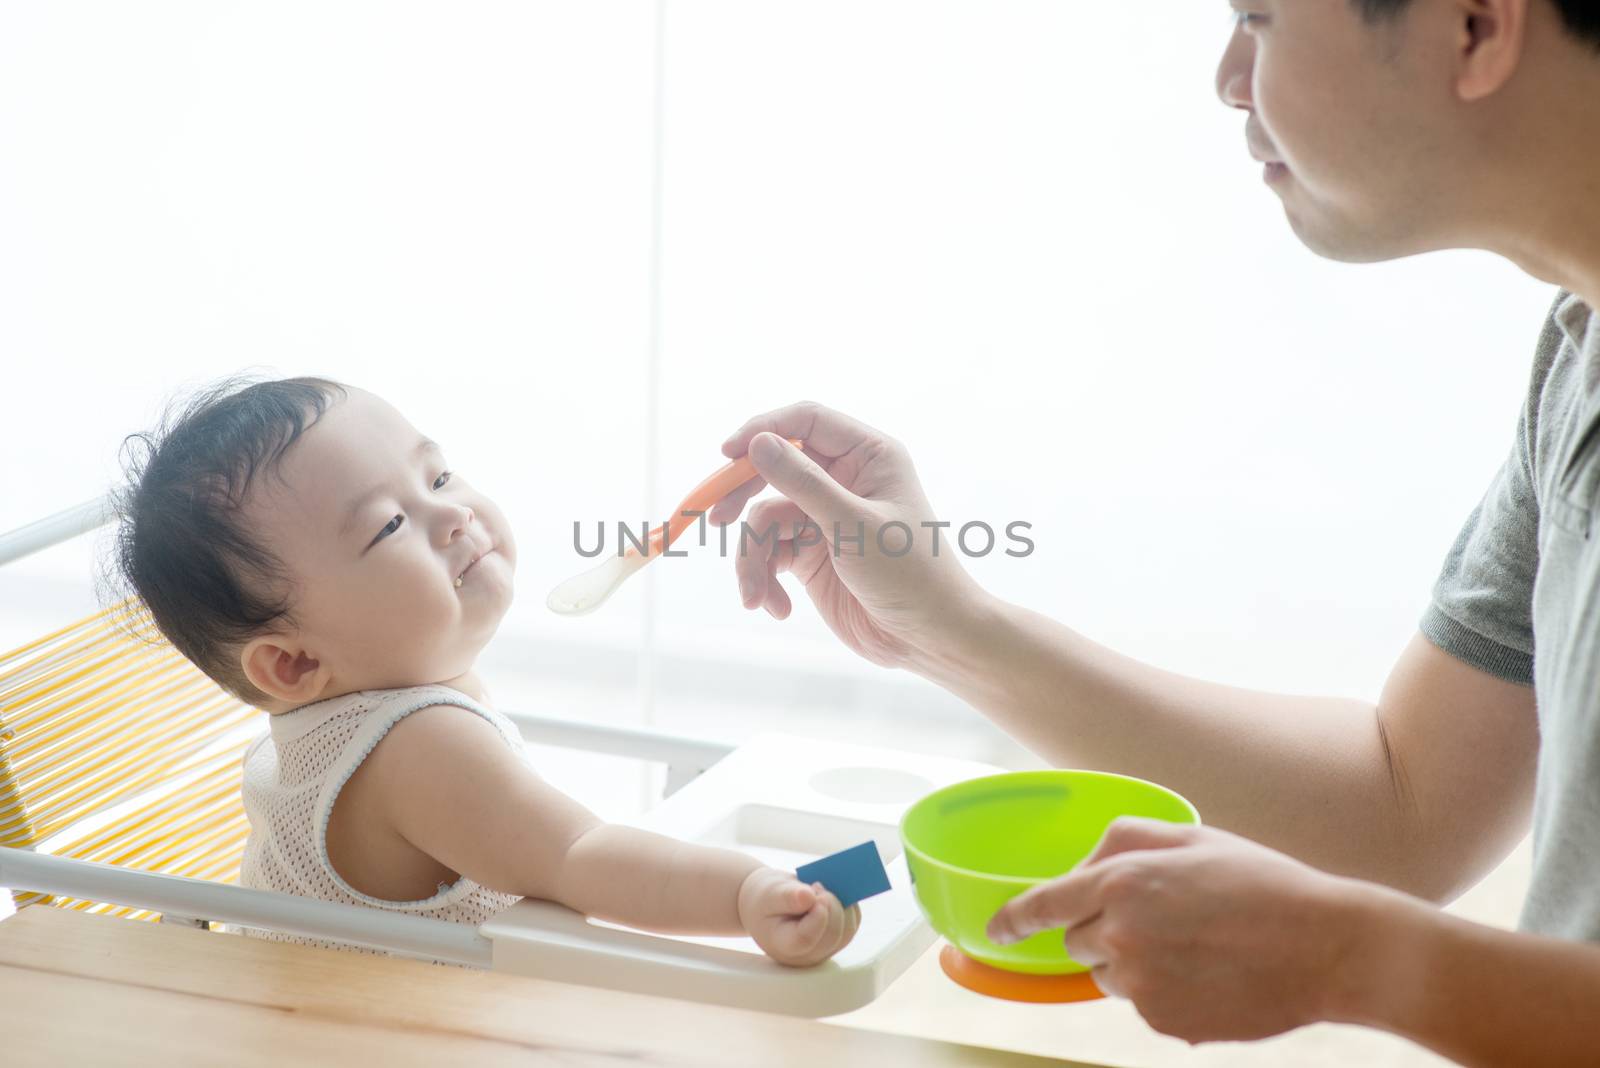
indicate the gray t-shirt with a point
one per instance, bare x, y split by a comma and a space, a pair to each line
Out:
1519, 597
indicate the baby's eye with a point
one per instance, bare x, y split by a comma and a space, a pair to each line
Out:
439, 482
393, 525
1248, 20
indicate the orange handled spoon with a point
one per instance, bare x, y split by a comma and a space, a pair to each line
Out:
583, 593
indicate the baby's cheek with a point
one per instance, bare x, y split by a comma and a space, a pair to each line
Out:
436, 606
408, 611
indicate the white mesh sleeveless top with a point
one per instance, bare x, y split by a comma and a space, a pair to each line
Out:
292, 776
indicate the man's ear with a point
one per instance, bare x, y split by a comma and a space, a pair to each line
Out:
278, 666
1489, 45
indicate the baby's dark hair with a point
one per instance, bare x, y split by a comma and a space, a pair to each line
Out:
198, 573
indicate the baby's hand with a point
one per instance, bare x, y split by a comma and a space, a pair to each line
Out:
794, 923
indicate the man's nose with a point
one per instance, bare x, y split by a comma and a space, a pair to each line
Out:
1235, 71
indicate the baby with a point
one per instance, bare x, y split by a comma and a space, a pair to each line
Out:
314, 554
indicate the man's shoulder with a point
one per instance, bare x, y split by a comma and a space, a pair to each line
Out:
1553, 338
1556, 379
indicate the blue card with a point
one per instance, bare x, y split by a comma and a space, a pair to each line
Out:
850, 875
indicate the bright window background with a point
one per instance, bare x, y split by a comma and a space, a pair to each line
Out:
1023, 237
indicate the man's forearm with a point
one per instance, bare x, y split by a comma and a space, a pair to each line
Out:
626, 875
1309, 776
1476, 994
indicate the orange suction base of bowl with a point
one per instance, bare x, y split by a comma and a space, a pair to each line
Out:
1016, 986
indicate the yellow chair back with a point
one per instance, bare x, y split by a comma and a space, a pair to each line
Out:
119, 750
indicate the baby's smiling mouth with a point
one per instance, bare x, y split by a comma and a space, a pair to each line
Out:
474, 563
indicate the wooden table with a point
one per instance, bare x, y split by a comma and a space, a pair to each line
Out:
82, 989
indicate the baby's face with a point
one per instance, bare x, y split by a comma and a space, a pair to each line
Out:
380, 537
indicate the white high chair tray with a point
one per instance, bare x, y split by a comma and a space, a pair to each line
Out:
787, 801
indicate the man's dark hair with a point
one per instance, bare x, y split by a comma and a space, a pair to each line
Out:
1581, 16
199, 574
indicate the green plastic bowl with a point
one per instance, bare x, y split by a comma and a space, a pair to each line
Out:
973, 846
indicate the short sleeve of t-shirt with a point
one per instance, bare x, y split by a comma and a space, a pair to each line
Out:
1482, 607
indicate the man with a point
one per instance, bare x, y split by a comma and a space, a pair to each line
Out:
1387, 128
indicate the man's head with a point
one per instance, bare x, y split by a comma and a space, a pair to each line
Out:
1391, 127
298, 538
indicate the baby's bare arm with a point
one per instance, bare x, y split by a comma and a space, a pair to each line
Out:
649, 880
448, 784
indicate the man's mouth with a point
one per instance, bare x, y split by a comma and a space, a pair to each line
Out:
1262, 155
1259, 147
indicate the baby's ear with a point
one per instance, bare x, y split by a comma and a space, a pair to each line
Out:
281, 669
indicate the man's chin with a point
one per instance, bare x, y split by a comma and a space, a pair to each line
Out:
1347, 244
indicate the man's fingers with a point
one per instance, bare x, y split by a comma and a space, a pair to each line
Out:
1106, 981
778, 604
1082, 943
825, 431
800, 478
727, 510
760, 543
1064, 902
1075, 899
771, 521
1129, 833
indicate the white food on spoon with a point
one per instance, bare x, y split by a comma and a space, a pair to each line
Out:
583, 593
